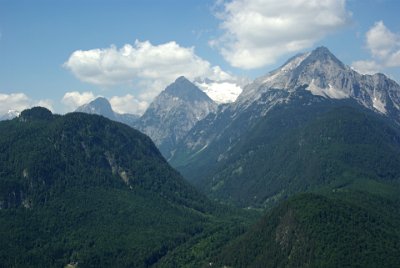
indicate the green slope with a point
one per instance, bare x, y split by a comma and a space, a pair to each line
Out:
83, 190
347, 229
299, 147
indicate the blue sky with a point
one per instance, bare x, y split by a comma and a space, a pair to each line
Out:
63, 53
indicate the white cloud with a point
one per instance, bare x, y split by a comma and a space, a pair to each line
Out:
14, 101
75, 99
394, 59
366, 66
381, 42
120, 104
20, 102
142, 65
128, 104
384, 47
257, 32
46, 103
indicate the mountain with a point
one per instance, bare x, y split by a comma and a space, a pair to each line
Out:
173, 113
101, 106
9, 115
344, 229
311, 123
168, 118
327, 76
82, 190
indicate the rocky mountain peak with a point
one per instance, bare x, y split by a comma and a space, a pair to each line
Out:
184, 89
100, 106
101, 102
174, 112
320, 62
323, 54
321, 73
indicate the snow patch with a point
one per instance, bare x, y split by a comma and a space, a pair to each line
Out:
220, 92
330, 92
335, 93
202, 149
379, 105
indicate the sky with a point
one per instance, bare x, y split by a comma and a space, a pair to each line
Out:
61, 54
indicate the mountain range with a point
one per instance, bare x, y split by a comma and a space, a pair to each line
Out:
168, 118
313, 146
238, 152
249, 151
173, 113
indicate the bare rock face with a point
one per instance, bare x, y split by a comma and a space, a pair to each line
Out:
324, 75
314, 77
173, 113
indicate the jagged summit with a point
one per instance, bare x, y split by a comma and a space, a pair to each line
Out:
186, 90
174, 112
321, 73
101, 101
323, 54
320, 54
181, 79
320, 62
100, 106
314, 79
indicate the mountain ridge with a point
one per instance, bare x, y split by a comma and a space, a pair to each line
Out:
215, 153
343, 229
83, 190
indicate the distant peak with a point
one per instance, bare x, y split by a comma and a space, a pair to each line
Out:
321, 50
184, 89
100, 100
99, 106
181, 79
324, 55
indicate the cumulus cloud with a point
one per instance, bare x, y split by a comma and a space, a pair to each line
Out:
257, 32
381, 42
46, 103
128, 104
14, 101
366, 66
142, 65
120, 104
384, 48
75, 99
20, 102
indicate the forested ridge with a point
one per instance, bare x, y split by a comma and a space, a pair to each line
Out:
83, 190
